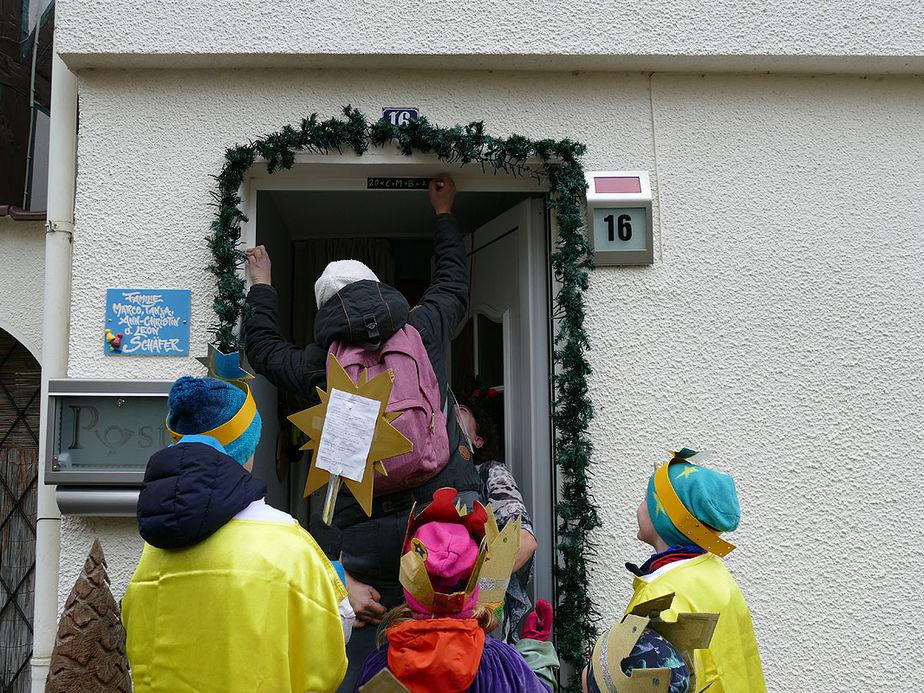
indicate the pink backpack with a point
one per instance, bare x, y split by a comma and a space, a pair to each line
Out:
415, 392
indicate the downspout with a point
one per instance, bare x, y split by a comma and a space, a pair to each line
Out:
62, 161
30, 143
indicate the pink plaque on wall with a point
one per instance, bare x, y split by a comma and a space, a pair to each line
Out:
627, 184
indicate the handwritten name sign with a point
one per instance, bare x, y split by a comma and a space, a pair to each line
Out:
151, 322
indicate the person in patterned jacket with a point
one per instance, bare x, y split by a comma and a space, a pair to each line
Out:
502, 492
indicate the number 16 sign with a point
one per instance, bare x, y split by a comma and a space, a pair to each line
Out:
619, 214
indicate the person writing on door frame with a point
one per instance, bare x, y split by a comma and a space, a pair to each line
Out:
371, 547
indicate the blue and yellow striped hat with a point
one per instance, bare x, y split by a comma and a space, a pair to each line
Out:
221, 409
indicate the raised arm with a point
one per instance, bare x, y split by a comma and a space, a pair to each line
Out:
287, 366
445, 301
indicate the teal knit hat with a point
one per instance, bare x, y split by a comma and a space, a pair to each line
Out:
199, 405
708, 495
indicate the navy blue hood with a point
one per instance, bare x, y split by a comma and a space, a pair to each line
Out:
190, 491
364, 313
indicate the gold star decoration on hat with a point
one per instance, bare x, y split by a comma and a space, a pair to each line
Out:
387, 441
686, 472
659, 508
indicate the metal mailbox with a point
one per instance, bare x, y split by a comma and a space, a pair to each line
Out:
100, 436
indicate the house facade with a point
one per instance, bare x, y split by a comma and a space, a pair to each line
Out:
777, 323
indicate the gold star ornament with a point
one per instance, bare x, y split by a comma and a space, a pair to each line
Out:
387, 441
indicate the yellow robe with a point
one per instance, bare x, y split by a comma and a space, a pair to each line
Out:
703, 584
252, 608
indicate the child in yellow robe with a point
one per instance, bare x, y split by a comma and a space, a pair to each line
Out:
685, 509
230, 594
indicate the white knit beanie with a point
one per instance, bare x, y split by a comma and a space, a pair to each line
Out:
337, 275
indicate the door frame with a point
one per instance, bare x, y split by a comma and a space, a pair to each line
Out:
530, 371
348, 172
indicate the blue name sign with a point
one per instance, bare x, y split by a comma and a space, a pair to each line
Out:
147, 322
401, 115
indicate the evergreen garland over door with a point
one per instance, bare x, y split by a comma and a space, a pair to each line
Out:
559, 164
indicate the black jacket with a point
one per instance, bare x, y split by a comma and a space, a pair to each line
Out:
368, 313
364, 313
190, 490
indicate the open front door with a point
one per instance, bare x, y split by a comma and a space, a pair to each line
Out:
507, 345
327, 199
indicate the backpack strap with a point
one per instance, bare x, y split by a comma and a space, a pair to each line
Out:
372, 331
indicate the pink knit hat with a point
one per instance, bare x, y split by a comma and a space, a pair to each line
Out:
451, 555
438, 581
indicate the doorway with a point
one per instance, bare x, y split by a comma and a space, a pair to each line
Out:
325, 212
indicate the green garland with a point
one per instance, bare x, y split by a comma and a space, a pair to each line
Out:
559, 164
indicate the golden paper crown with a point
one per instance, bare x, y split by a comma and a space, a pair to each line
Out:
492, 568
233, 428
689, 632
686, 523
502, 548
226, 367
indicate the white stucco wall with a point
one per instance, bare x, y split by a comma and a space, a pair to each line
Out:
777, 325
654, 34
22, 281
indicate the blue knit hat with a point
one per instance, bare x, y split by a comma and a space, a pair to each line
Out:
708, 495
199, 405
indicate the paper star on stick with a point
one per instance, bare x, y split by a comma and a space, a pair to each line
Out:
387, 441
224, 366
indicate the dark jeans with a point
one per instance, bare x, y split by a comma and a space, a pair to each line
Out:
372, 554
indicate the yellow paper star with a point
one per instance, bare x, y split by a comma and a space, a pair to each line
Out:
658, 507
686, 472
387, 441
